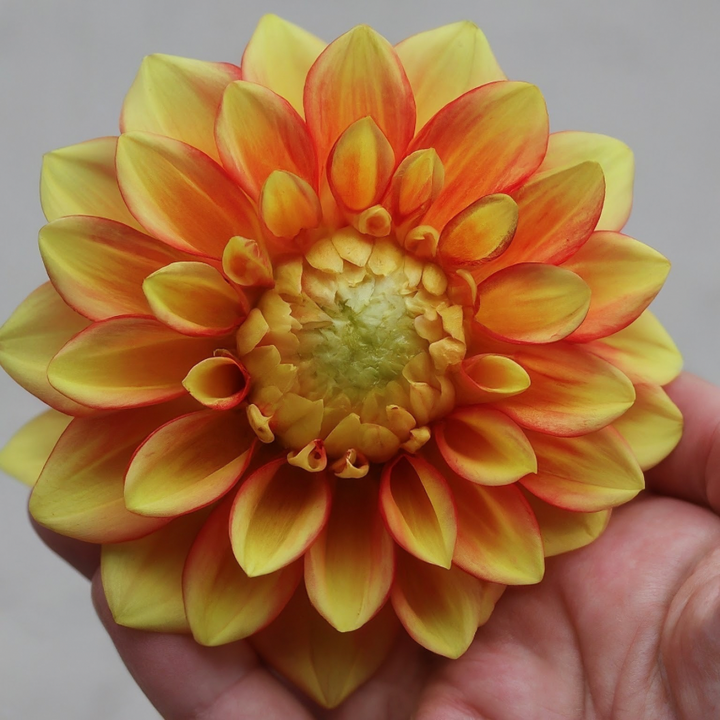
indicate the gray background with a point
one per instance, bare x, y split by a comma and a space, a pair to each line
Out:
645, 71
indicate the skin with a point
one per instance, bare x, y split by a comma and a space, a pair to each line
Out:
627, 628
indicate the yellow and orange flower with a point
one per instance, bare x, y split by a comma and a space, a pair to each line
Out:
338, 338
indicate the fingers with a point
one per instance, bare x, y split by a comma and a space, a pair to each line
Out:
692, 471
184, 680
84, 557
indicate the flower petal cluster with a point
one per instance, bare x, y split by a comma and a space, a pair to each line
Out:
337, 342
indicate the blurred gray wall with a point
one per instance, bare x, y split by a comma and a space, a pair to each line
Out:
645, 71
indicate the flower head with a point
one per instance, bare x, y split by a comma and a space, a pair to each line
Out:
338, 338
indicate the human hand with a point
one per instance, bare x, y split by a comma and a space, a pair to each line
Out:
628, 627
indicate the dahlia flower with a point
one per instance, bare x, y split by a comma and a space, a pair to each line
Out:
337, 342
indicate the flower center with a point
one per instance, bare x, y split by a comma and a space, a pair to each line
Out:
349, 353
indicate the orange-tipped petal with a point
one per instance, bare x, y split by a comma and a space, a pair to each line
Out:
498, 535
418, 508
220, 382
652, 426
98, 265
484, 446
616, 160
326, 664
126, 362
277, 514
416, 183
360, 165
588, 473
142, 578
350, 567
246, 263
489, 141
532, 303
257, 132
188, 463
80, 490
566, 530
441, 609
359, 75
643, 350
81, 180
557, 212
479, 233
624, 276
27, 451
194, 299
572, 392
33, 334
444, 63
222, 603
179, 98
288, 204
181, 195
489, 377
279, 56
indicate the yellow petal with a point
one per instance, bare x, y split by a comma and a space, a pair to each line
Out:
566, 530
444, 63
278, 513
34, 333
194, 299
572, 392
326, 664
624, 276
532, 303
489, 377
258, 132
288, 204
360, 165
359, 75
222, 603
479, 233
416, 183
126, 362
441, 609
616, 160
98, 265
652, 426
219, 382
81, 180
188, 463
418, 508
142, 578
588, 473
179, 98
489, 141
484, 446
28, 449
181, 195
350, 567
643, 350
80, 490
279, 56
246, 263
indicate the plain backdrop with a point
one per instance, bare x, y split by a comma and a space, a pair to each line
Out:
645, 71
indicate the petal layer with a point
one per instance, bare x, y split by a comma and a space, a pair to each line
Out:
326, 664
98, 265
489, 140
33, 334
278, 513
179, 98
446, 62
181, 195
188, 463
222, 603
350, 567
126, 362
27, 451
